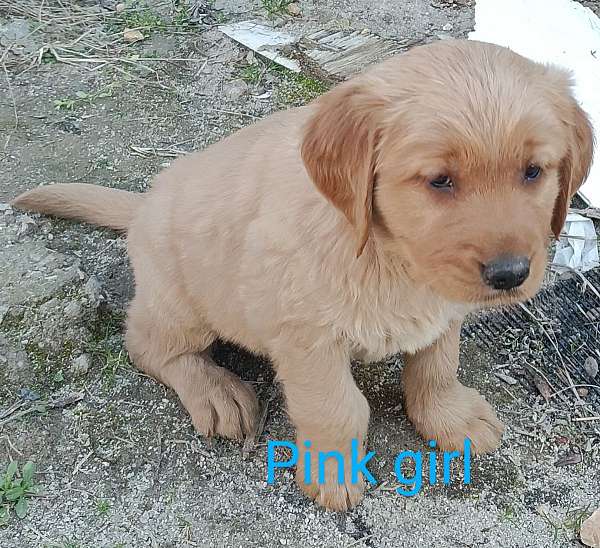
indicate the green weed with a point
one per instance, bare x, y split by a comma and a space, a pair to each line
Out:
276, 7
138, 15
82, 98
252, 74
15, 490
296, 89
102, 507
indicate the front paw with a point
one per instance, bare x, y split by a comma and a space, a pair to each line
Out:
332, 495
451, 417
333, 482
223, 406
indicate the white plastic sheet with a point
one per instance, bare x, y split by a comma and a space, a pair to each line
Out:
579, 249
560, 32
264, 40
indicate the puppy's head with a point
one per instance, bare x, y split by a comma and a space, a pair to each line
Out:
461, 158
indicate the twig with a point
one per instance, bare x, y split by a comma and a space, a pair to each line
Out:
14, 407
508, 392
40, 11
33, 409
159, 458
232, 112
587, 283
39, 406
140, 80
12, 95
69, 399
582, 419
591, 212
575, 386
523, 432
250, 441
11, 446
555, 346
81, 463
145, 152
572, 236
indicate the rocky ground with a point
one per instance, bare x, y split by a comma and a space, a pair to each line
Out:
118, 463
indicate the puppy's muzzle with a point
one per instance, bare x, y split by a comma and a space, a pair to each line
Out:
506, 272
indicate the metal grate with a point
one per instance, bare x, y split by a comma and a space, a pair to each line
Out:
549, 336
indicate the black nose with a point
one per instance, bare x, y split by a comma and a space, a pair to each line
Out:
506, 272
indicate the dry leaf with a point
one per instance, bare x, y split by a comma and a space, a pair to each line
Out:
590, 530
543, 387
132, 35
506, 378
569, 460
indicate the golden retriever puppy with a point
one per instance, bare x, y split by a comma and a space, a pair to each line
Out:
367, 223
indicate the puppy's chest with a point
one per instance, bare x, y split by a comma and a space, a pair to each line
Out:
402, 326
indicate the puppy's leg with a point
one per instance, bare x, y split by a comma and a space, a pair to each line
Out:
439, 406
329, 411
218, 401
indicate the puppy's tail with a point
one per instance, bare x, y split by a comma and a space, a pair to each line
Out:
93, 204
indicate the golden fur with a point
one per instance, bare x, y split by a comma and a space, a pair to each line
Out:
314, 237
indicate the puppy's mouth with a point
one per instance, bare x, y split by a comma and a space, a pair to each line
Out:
495, 297
484, 297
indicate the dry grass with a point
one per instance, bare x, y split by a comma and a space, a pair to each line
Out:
92, 37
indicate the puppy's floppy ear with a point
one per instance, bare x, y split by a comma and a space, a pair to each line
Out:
575, 165
339, 150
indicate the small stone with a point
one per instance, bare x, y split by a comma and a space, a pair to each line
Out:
590, 530
583, 391
235, 89
294, 9
73, 310
3, 312
543, 509
447, 27
120, 7
27, 225
81, 364
14, 363
28, 395
591, 366
93, 291
48, 309
132, 35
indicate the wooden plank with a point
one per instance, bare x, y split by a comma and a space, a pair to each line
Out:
336, 55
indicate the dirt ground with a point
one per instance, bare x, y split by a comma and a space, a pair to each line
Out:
118, 462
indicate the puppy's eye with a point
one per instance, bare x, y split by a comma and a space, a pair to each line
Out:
532, 172
443, 182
